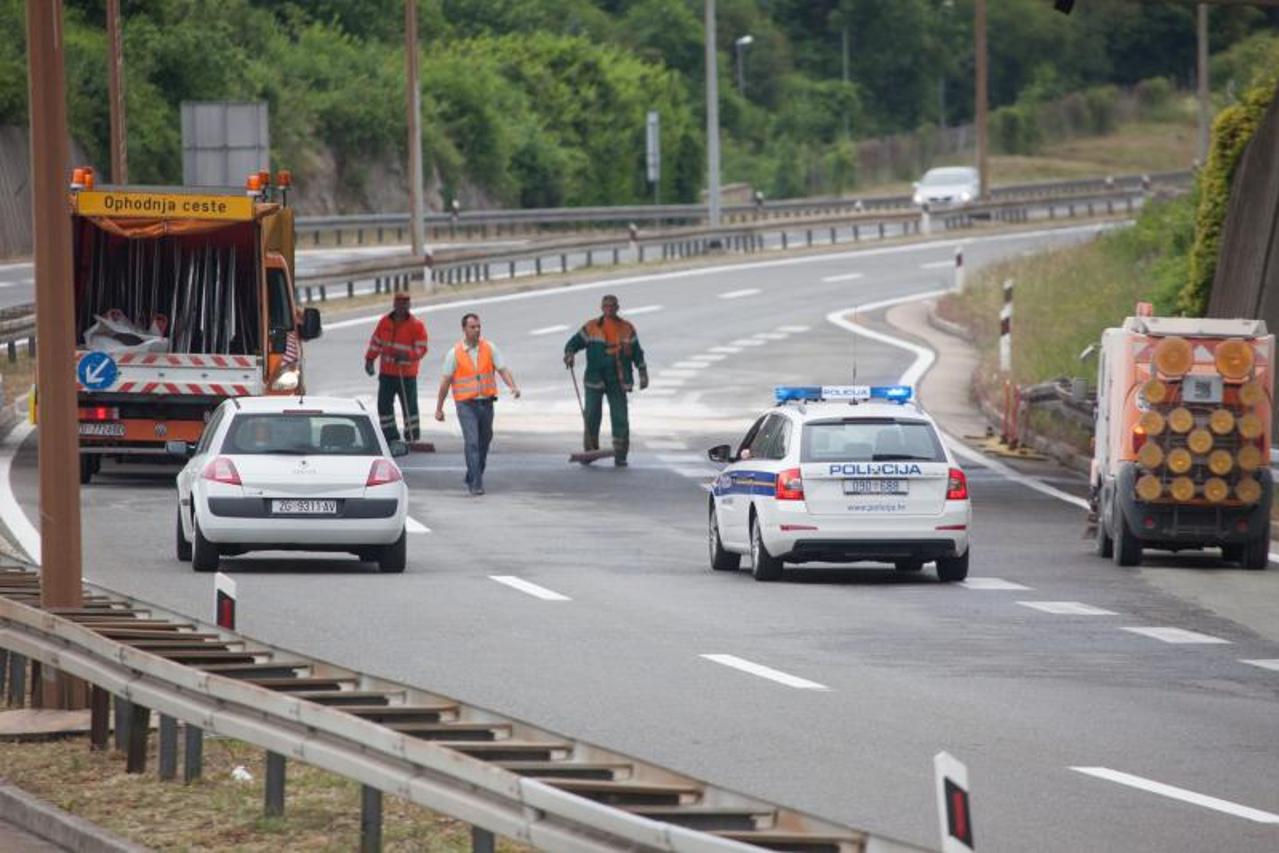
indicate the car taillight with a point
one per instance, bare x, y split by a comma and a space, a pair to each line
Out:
956, 486
383, 472
790, 485
222, 470
99, 413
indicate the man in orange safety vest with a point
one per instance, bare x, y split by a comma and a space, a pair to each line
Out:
397, 346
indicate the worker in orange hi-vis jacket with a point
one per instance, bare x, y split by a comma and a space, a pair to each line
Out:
397, 347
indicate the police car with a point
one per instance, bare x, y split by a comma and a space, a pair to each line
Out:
840, 474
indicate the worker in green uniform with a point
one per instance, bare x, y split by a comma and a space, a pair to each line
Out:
613, 354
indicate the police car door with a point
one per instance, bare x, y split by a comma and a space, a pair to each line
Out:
739, 483
885, 467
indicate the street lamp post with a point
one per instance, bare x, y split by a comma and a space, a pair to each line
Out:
741, 45
712, 121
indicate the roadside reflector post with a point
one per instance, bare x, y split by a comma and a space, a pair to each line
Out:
139, 729
224, 601
168, 748
370, 820
274, 799
1006, 329
953, 808
482, 841
193, 760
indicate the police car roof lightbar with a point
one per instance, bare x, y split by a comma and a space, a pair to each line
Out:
850, 393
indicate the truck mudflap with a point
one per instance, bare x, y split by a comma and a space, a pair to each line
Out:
1188, 525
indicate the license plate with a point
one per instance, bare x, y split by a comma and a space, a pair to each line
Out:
1201, 389
304, 507
876, 487
115, 430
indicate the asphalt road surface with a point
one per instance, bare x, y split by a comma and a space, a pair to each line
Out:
1084, 722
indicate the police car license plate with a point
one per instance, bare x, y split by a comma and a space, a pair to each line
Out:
1201, 389
115, 430
876, 487
304, 507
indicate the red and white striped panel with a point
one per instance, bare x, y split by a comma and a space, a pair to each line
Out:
207, 389
164, 359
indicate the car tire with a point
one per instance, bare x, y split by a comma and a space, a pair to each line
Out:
721, 560
908, 565
764, 566
953, 569
204, 554
1127, 550
1256, 552
393, 557
183, 546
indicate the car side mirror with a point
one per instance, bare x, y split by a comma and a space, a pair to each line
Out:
181, 449
721, 453
310, 324
399, 448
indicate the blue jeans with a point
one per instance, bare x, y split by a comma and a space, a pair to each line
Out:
476, 418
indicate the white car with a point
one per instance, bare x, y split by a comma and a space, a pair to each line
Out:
840, 474
294, 474
951, 186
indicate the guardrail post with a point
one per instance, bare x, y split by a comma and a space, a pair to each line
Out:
399, 234
590, 260
4, 671
139, 729
359, 236
37, 678
315, 238
641, 253
350, 289
808, 236
616, 256
881, 230
370, 820
13, 350
488, 271
338, 234
308, 295
324, 293
120, 707
537, 263
193, 753
784, 240
482, 841
274, 799
511, 267
857, 233
17, 679
832, 235
1072, 210
31, 345
168, 748
563, 262
99, 718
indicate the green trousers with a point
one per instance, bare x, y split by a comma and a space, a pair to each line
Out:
388, 388
619, 422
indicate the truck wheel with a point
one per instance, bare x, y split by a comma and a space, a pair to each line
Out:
204, 554
952, 569
764, 566
393, 557
183, 546
1127, 547
1105, 545
721, 560
1256, 553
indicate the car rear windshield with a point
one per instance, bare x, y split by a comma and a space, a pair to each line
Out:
301, 435
871, 440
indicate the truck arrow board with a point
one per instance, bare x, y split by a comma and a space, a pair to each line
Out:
97, 371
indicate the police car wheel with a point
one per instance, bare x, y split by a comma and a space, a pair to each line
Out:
908, 565
952, 569
183, 546
764, 566
721, 560
204, 554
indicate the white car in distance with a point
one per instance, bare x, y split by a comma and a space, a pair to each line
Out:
947, 187
291, 474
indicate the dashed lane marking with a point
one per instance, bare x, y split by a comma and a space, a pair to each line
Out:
708, 357
728, 350
1067, 608
748, 342
937, 265
679, 373
678, 458
529, 588
848, 276
412, 525
794, 330
663, 444
765, 672
643, 309
1270, 663
689, 365
990, 584
1175, 793
697, 473
738, 294
771, 336
549, 330
1180, 636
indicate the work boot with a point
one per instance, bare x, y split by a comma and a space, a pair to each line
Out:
590, 442
620, 448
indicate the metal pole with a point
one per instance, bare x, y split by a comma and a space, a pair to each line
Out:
414, 106
115, 94
59, 446
1202, 80
712, 120
979, 29
741, 68
844, 51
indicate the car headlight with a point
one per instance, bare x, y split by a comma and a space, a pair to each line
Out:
286, 381
918, 198
965, 196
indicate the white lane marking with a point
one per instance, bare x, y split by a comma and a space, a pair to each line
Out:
14, 266
1269, 663
987, 584
708, 357
848, 276
679, 373
659, 392
663, 444
4, 284
738, 294
667, 382
529, 588
727, 268
14, 517
748, 342
1176, 635
771, 336
678, 458
794, 330
1067, 608
689, 365
549, 330
1175, 793
697, 473
643, 309
937, 265
729, 350
766, 672
412, 525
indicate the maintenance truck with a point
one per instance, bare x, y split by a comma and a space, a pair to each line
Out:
1182, 445
183, 298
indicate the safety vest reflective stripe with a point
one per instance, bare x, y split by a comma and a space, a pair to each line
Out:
471, 380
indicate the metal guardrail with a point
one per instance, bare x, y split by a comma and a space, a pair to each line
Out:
501, 775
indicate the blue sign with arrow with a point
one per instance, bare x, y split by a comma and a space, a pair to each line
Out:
97, 371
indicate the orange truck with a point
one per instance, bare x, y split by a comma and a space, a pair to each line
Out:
183, 298
1181, 455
